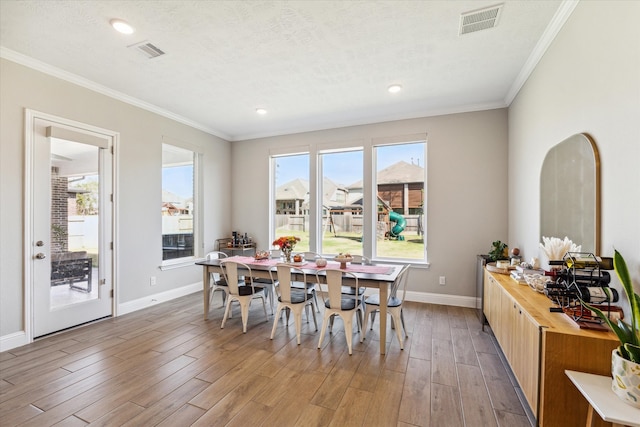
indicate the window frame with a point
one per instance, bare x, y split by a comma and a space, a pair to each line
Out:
197, 229
369, 189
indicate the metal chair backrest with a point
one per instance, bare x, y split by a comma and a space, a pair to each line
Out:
216, 255
311, 256
334, 286
231, 276
285, 280
360, 259
400, 283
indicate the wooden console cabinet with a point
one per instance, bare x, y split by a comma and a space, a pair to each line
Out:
540, 345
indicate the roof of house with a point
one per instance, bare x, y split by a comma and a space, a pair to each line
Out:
398, 173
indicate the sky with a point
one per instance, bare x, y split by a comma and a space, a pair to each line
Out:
346, 167
178, 180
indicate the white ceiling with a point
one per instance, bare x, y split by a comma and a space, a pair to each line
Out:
312, 64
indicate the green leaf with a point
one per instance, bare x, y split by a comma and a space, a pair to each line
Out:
633, 352
620, 267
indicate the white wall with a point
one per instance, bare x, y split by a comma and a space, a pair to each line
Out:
466, 189
588, 81
139, 160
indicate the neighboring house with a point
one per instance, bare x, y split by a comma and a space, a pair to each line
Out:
400, 186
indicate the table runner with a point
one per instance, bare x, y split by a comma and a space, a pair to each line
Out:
310, 265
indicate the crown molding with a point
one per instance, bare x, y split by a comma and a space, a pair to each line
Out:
559, 19
45, 68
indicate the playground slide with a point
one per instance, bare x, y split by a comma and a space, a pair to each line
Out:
401, 223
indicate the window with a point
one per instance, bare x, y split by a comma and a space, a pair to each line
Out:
342, 204
400, 178
291, 198
179, 202
364, 201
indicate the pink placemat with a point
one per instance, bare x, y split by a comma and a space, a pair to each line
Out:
331, 265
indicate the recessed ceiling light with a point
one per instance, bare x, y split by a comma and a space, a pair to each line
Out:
261, 111
121, 26
394, 88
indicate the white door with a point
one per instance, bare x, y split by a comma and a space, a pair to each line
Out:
70, 216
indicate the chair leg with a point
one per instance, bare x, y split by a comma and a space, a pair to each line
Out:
396, 320
297, 318
348, 331
276, 319
315, 322
315, 299
404, 328
264, 306
364, 323
244, 309
322, 331
226, 312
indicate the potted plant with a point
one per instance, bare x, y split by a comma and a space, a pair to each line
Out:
625, 360
499, 251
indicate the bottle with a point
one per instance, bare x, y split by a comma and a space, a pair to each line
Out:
581, 262
598, 294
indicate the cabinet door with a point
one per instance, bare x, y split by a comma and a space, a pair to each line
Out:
486, 297
505, 334
526, 355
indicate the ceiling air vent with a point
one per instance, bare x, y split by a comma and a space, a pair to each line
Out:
147, 49
478, 20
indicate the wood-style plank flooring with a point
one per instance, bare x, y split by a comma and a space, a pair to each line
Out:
166, 366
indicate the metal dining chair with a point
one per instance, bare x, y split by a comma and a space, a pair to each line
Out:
357, 259
394, 307
241, 290
217, 283
338, 304
310, 287
292, 299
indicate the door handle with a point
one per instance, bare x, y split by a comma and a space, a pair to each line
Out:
40, 255
39, 243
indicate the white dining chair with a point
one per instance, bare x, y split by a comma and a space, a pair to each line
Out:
292, 298
242, 291
394, 307
338, 304
357, 259
217, 283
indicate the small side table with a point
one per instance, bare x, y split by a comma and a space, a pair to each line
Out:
597, 390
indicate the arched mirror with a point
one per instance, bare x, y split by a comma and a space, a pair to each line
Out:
570, 192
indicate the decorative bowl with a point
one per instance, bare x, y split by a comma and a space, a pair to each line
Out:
343, 260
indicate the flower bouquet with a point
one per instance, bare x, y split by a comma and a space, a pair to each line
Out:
286, 245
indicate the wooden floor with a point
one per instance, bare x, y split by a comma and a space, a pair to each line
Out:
166, 366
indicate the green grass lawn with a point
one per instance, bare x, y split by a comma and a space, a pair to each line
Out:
410, 248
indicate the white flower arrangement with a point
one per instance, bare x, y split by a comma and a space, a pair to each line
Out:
555, 248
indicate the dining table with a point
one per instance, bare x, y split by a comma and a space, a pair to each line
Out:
376, 275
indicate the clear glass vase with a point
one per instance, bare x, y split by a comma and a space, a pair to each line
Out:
286, 252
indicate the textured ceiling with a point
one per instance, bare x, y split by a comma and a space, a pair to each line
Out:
312, 64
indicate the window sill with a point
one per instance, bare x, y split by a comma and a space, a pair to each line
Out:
179, 263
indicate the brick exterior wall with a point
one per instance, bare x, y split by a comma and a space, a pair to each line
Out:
59, 211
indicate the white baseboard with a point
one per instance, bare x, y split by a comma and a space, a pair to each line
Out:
151, 300
16, 339
442, 299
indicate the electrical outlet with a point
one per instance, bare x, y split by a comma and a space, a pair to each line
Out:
443, 280
152, 280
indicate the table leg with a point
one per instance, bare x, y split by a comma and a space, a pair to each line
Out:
590, 418
205, 291
384, 291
